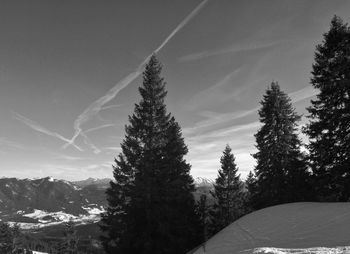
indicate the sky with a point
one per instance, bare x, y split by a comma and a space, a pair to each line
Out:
70, 72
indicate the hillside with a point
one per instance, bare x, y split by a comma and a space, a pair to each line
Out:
48, 202
45, 202
290, 228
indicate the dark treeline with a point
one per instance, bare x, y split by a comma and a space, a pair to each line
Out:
15, 240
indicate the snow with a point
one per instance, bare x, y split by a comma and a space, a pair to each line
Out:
318, 250
94, 211
296, 228
51, 179
46, 219
76, 187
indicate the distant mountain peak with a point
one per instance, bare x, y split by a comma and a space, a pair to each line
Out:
201, 181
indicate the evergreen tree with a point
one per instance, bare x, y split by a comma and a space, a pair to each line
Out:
5, 238
281, 172
228, 192
151, 206
251, 188
329, 129
70, 241
203, 212
17, 239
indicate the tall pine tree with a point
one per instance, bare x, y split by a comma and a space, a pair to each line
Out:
228, 192
329, 127
281, 172
151, 206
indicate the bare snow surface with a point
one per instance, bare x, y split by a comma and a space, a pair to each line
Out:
319, 250
296, 228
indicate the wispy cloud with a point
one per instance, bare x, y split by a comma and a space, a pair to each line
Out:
214, 119
111, 106
5, 142
112, 149
213, 94
100, 127
35, 126
97, 105
303, 94
224, 132
68, 157
222, 51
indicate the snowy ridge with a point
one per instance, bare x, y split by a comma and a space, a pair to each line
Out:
315, 250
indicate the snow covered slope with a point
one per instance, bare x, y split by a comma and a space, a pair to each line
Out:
290, 228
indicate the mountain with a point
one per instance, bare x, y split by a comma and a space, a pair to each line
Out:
47, 201
301, 228
203, 186
100, 183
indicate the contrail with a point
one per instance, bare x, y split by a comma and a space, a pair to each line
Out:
97, 105
182, 24
35, 126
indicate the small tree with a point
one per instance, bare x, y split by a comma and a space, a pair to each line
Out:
329, 130
281, 172
228, 192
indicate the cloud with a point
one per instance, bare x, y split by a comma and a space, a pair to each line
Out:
5, 142
68, 157
182, 24
35, 126
112, 149
233, 49
214, 93
225, 132
99, 127
303, 94
97, 105
214, 118
111, 106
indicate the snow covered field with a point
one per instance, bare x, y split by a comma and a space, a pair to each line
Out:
296, 228
46, 219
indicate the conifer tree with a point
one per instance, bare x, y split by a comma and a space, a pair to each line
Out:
203, 212
151, 205
281, 172
5, 238
70, 241
329, 127
251, 188
228, 192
